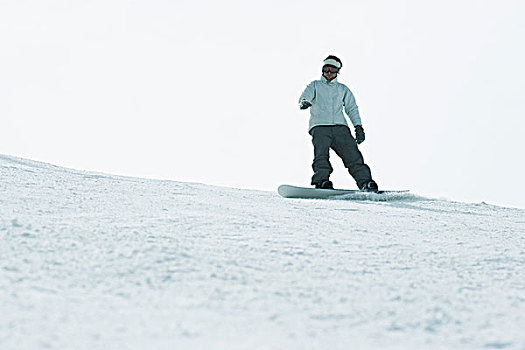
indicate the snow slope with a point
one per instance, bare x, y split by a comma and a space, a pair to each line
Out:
94, 261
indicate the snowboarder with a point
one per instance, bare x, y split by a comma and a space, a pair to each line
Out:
326, 99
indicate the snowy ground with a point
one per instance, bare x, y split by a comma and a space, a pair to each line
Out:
93, 261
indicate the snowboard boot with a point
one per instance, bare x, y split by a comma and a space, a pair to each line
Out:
370, 186
325, 185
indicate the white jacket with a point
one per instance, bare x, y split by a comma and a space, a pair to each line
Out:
328, 100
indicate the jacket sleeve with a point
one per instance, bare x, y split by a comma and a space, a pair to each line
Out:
351, 107
308, 93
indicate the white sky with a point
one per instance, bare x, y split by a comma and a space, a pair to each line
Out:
206, 91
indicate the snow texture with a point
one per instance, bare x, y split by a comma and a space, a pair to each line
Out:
95, 261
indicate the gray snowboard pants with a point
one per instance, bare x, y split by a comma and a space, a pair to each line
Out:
339, 138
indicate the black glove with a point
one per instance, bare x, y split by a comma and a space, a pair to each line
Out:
304, 104
359, 134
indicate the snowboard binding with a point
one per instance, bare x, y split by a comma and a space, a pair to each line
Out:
328, 185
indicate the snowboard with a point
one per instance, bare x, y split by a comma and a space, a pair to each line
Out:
288, 191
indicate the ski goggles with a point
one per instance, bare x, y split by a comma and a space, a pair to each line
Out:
330, 70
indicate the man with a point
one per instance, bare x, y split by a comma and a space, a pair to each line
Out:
326, 99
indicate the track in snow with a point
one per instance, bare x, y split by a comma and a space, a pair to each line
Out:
92, 260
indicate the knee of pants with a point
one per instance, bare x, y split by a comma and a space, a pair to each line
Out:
322, 160
351, 159
322, 157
